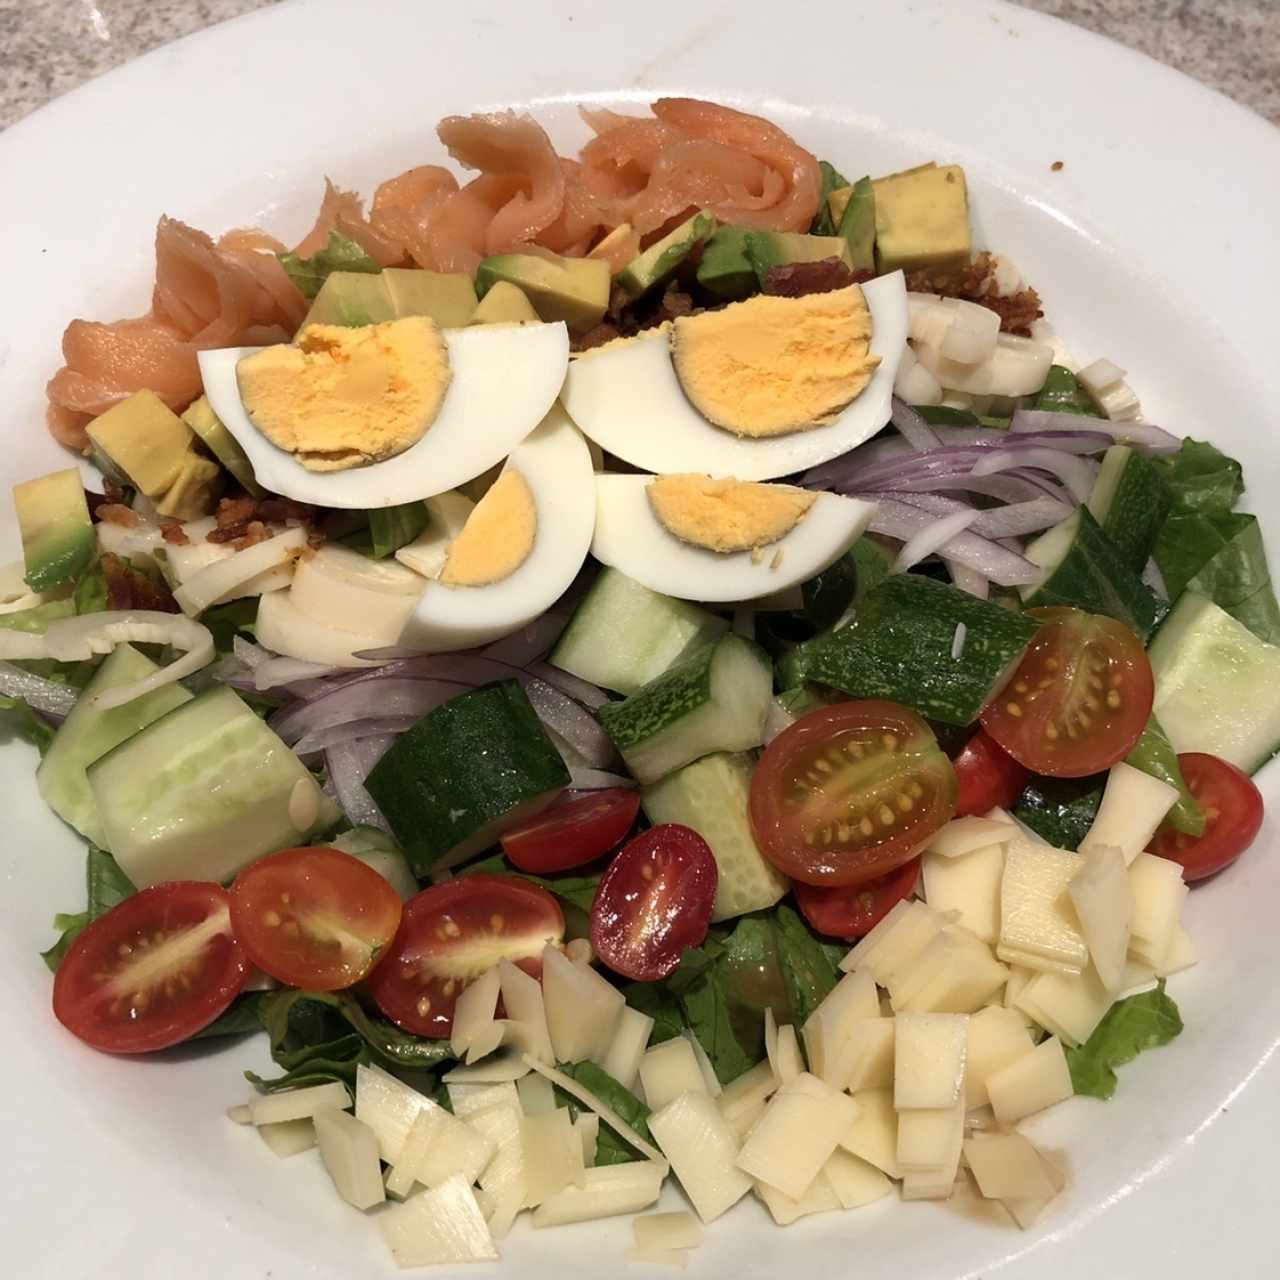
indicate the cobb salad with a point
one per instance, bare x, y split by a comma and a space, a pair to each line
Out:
652, 666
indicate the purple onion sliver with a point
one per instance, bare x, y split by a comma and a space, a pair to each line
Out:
348, 765
577, 726
1076, 473
591, 696
406, 696
1141, 435
914, 429
966, 579
932, 537
596, 779
335, 735
898, 520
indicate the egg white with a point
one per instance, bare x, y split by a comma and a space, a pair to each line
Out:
629, 400
631, 538
556, 464
505, 378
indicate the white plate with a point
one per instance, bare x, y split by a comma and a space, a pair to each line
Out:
1155, 245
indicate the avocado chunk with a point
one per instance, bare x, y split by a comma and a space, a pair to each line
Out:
448, 297
575, 290
922, 218
58, 541
620, 235
194, 491
352, 298
765, 249
853, 211
724, 268
200, 417
505, 303
659, 261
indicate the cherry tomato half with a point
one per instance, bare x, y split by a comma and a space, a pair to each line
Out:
314, 918
653, 901
450, 934
153, 971
850, 792
577, 829
987, 776
854, 910
1079, 699
1233, 813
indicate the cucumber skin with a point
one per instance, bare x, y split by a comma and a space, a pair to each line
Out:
678, 691
1094, 576
1138, 506
463, 765
898, 647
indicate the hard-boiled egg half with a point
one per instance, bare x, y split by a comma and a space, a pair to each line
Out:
758, 389
505, 562
712, 540
378, 415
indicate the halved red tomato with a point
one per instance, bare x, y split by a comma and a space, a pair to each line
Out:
653, 901
854, 910
850, 792
153, 971
314, 918
577, 829
1080, 698
452, 933
987, 776
1233, 815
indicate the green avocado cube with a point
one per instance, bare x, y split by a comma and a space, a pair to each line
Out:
575, 290
922, 218
724, 268
58, 540
765, 249
448, 297
352, 298
660, 260
504, 304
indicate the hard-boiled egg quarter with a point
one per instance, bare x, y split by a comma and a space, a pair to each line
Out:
631, 537
627, 397
540, 520
502, 382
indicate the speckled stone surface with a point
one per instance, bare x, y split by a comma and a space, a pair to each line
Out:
49, 46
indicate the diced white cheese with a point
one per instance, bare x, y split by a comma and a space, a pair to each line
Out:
709, 1077
473, 1015
1137, 979
854, 997
522, 999
1006, 1166
1038, 925
437, 1146
799, 1130
1182, 954
536, 1094
968, 885
1070, 1005
1019, 976
1033, 1082
965, 835
582, 1008
917, 927
630, 1039
743, 1119
439, 1226
786, 1058
1103, 898
467, 1099
552, 1155
926, 1139
605, 1192
938, 1182
503, 1176
1159, 893
871, 940
702, 1150
865, 1059
349, 1151
1026, 1209
819, 1197
873, 1136
288, 1137
300, 1104
668, 1070
496, 1069
677, 1230
587, 1127
955, 973
1133, 806
749, 1091
501, 1213
929, 1058
997, 1037
854, 1181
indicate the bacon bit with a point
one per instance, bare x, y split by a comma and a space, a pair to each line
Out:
254, 533
234, 511
799, 279
597, 337
281, 510
173, 533
975, 282
130, 588
315, 540
115, 513
675, 303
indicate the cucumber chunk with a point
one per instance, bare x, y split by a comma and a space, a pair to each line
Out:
202, 792
88, 733
623, 635
469, 770
379, 851
1130, 502
717, 700
1217, 685
710, 796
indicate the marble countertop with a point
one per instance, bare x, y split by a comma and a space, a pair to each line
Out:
50, 46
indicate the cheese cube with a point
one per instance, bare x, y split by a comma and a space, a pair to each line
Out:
552, 1155
537, 1095
473, 1014
873, 1136
854, 1181
709, 1078
819, 1197
926, 1138
968, 885
797, 1134
522, 999
444, 1225
786, 1057
677, 1230
852, 998
1038, 925
467, 1099
929, 1059
1070, 1005
630, 1038
504, 1174
582, 1008
703, 1152
955, 973
963, 836
1026, 1209
1133, 805
668, 1070
997, 1037
896, 940
1019, 976
749, 1092
605, 1193
389, 1107
349, 1152
866, 1058
1006, 1167
1033, 1082
1182, 954
1159, 893
1103, 899
938, 1182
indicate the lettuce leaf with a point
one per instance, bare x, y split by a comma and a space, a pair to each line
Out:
1153, 753
1140, 1022
105, 887
388, 529
340, 254
1062, 393
1201, 479
36, 620
611, 1148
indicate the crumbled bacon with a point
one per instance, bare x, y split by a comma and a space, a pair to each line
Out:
116, 513
234, 511
975, 282
130, 588
597, 337
173, 533
799, 279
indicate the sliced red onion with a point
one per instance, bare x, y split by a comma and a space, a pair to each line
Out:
935, 535
778, 719
274, 671
1013, 520
1076, 473
898, 520
572, 722
45, 696
581, 779
531, 642
591, 696
1141, 435
406, 696
336, 735
967, 579
915, 430
348, 765
249, 653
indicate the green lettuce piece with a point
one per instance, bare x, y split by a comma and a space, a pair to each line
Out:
394, 527
577, 891
611, 1147
832, 180
339, 254
1062, 393
226, 621
1061, 810
808, 971
1201, 479
1153, 753
1140, 1022
106, 886
17, 720
37, 619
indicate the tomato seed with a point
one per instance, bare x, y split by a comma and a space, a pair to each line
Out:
271, 919
886, 815
865, 827
1013, 709
1113, 699
496, 922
